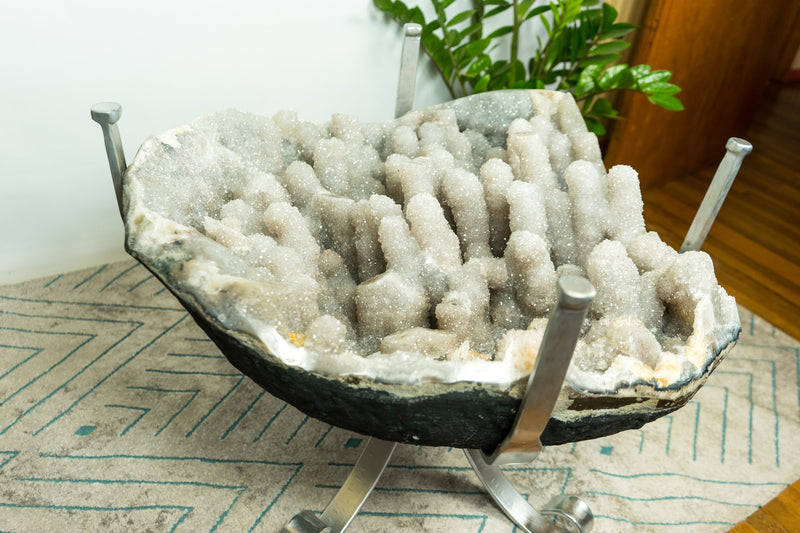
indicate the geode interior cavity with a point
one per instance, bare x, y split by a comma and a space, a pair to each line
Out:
395, 278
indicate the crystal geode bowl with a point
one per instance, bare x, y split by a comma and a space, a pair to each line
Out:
395, 278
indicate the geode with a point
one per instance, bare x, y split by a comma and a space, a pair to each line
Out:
395, 278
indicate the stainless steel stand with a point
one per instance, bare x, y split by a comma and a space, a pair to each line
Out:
562, 513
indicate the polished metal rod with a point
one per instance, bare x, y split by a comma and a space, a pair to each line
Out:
358, 485
576, 515
716, 193
544, 385
107, 114
523, 443
345, 504
407, 80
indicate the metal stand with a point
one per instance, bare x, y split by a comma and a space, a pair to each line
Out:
563, 512
736, 149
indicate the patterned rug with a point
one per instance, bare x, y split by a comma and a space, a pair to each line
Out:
118, 414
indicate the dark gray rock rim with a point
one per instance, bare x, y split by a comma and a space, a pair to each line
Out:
461, 415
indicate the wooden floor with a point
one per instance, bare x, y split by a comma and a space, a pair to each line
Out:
781, 515
755, 243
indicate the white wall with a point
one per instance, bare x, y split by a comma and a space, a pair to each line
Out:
166, 62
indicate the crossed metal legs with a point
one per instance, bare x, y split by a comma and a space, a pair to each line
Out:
562, 513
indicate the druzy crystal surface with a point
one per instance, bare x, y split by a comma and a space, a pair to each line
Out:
426, 248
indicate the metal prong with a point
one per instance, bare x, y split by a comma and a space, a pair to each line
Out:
407, 80
715, 195
306, 522
522, 444
570, 508
107, 114
346, 503
575, 513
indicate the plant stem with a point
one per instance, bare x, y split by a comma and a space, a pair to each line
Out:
610, 90
477, 18
514, 44
541, 54
564, 84
456, 74
447, 83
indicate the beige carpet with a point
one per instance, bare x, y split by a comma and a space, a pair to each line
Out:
118, 414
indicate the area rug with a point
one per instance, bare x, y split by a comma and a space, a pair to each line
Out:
118, 414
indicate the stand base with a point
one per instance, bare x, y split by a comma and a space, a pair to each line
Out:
562, 513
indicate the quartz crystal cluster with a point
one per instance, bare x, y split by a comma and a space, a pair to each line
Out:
427, 247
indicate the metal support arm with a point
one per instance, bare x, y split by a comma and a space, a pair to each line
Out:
736, 150
107, 114
522, 445
346, 503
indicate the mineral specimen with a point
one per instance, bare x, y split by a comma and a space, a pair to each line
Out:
432, 242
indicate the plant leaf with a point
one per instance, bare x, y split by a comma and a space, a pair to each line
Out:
461, 17
383, 5
546, 23
431, 27
625, 80
441, 16
610, 78
610, 47
481, 85
495, 10
470, 30
519, 67
640, 71
609, 16
432, 43
601, 59
499, 67
452, 37
595, 126
576, 43
662, 87
602, 108
461, 58
620, 29
592, 20
587, 80
476, 48
479, 66
415, 15
571, 10
666, 101
523, 7
399, 10
656, 76
503, 30
536, 11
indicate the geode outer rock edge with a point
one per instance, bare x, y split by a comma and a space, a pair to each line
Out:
459, 413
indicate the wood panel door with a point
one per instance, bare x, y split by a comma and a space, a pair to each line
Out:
722, 53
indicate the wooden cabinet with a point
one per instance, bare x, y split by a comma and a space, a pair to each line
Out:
722, 53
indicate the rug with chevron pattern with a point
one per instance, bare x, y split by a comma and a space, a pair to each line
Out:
118, 414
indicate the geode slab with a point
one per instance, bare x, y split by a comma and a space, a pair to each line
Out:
395, 278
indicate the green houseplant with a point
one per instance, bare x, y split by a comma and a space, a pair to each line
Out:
580, 51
